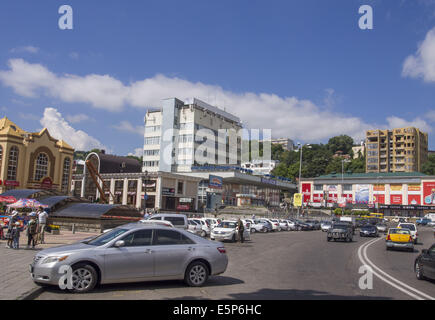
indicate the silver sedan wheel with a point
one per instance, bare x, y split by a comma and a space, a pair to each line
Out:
81, 279
197, 274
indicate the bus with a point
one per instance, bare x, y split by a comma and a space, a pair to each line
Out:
377, 215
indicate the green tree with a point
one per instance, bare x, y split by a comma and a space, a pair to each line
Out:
429, 166
342, 143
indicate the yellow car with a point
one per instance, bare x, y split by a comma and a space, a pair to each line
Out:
399, 238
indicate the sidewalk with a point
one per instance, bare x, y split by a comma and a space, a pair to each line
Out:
15, 280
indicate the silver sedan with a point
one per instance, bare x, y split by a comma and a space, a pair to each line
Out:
130, 253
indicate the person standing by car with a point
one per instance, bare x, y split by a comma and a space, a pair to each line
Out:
16, 235
42, 219
32, 231
240, 230
12, 220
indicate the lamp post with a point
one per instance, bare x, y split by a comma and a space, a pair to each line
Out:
146, 188
301, 147
342, 181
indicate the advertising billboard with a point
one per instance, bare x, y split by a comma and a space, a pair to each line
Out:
306, 191
362, 193
414, 194
379, 198
414, 199
396, 199
215, 182
318, 197
297, 199
429, 193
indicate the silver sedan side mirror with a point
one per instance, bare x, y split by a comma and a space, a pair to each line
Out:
119, 244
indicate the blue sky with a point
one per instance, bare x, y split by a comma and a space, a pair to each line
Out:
302, 68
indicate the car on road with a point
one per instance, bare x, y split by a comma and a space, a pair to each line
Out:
227, 230
212, 222
284, 225
399, 238
382, 227
412, 228
291, 225
368, 231
267, 223
424, 265
131, 253
302, 226
340, 231
325, 225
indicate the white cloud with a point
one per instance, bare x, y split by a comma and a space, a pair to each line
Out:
422, 63
59, 128
138, 152
396, 122
287, 116
77, 118
128, 127
28, 49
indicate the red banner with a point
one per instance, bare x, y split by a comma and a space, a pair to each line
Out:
332, 198
396, 199
379, 198
318, 197
414, 199
306, 191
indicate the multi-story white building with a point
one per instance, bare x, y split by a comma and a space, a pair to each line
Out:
188, 133
260, 167
287, 144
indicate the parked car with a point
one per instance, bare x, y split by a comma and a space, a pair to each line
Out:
132, 253
212, 222
424, 265
382, 227
177, 219
275, 224
399, 238
194, 227
205, 228
302, 226
315, 225
147, 221
291, 225
368, 231
340, 231
284, 225
227, 230
412, 228
423, 221
325, 225
258, 226
267, 224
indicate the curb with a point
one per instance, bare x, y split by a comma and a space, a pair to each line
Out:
31, 295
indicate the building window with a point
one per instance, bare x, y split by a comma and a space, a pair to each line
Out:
180, 187
13, 164
318, 187
65, 175
41, 166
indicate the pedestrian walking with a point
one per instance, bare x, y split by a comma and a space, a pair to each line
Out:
42, 223
240, 230
15, 233
12, 220
32, 231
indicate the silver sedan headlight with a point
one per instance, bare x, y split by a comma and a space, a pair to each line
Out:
53, 259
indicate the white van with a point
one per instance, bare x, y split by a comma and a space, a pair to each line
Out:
177, 219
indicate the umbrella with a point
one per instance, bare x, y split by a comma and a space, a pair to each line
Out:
8, 199
27, 203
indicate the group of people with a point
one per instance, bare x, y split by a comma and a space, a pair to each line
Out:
35, 229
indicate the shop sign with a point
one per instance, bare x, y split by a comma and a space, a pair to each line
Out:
168, 191
183, 207
215, 182
46, 183
185, 200
10, 183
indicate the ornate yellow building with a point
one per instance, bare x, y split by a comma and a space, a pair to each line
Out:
33, 160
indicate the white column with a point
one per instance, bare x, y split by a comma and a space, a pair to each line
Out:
82, 191
158, 198
112, 190
125, 191
139, 193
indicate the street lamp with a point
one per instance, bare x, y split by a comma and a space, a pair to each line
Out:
146, 188
301, 148
342, 181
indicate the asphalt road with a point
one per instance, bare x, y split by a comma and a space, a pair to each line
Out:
287, 265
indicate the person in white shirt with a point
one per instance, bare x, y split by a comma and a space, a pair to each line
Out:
42, 217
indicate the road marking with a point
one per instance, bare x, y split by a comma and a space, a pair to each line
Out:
418, 295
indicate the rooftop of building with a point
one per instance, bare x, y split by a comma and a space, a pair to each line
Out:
372, 175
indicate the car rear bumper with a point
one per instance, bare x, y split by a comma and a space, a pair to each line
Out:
403, 245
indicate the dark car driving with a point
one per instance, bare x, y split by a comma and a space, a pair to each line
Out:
424, 265
368, 231
340, 231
